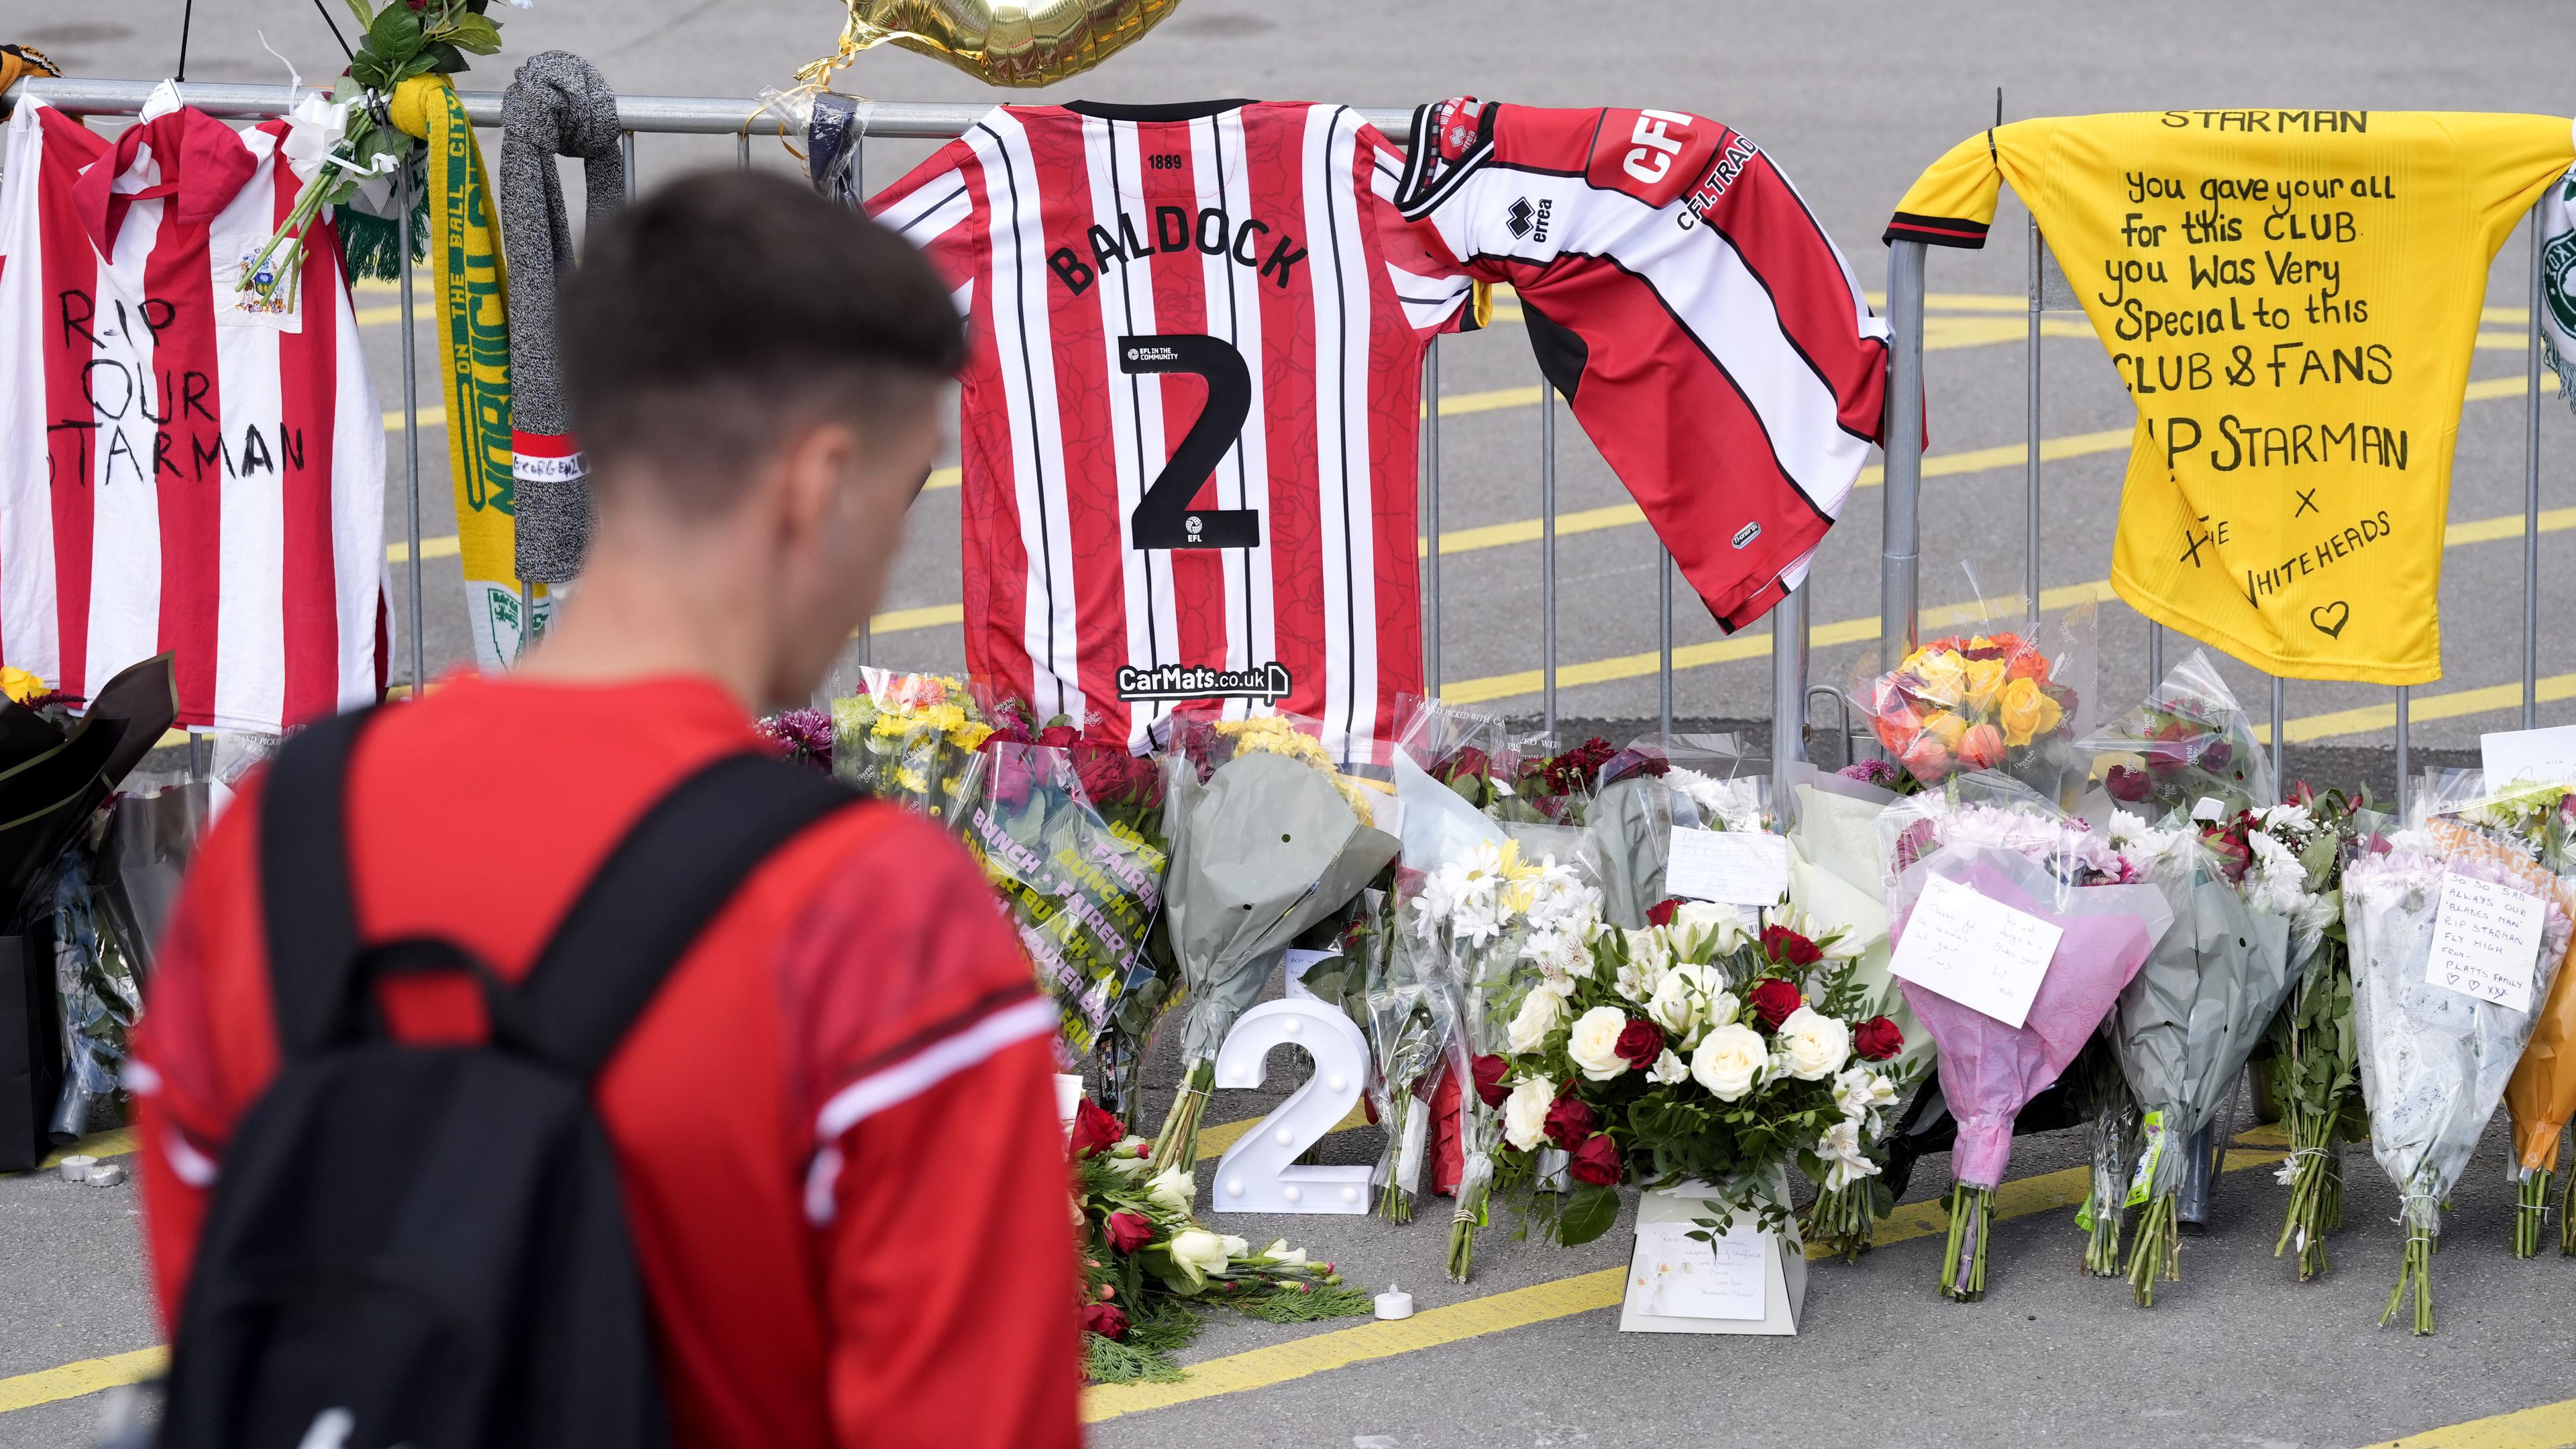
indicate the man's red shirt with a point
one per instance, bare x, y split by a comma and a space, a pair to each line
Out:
843, 1170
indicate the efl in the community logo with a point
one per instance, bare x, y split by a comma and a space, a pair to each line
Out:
1267, 683
2558, 278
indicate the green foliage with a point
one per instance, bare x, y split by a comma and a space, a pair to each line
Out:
1588, 1213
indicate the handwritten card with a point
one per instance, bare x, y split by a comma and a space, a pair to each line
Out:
1682, 1277
1980, 953
1736, 867
2535, 756
2486, 939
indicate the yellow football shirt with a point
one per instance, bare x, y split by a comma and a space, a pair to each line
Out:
2291, 298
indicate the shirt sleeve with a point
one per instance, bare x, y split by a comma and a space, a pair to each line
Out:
2511, 160
940, 208
1953, 203
938, 1183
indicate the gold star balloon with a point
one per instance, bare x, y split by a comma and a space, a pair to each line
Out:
1000, 42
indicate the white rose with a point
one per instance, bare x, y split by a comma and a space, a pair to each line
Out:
1667, 1069
1540, 1011
1702, 929
1198, 1252
1173, 1190
1236, 1249
1688, 995
1814, 1045
1595, 1043
1729, 1060
1525, 1113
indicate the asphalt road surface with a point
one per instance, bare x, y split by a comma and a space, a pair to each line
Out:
1852, 100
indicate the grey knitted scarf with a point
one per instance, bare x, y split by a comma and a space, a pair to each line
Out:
557, 105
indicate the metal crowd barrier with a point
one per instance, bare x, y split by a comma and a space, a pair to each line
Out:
742, 117
1899, 559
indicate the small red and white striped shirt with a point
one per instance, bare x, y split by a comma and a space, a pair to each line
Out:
182, 468
1138, 543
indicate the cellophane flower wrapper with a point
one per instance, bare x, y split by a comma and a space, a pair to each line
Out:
1990, 1070
2434, 1062
2188, 741
2004, 699
2112, 1135
1478, 915
1262, 848
1540, 782
1406, 1043
1656, 783
913, 739
2185, 1026
1083, 891
2537, 820
1838, 876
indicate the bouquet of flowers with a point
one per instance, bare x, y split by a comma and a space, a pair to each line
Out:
1648, 788
1083, 889
800, 737
1497, 928
345, 150
2435, 1060
2316, 1068
1838, 877
1696, 1049
915, 739
2189, 1019
2188, 741
1405, 1045
2114, 1136
2536, 819
1989, 701
1551, 789
1147, 1263
1989, 1069
1273, 839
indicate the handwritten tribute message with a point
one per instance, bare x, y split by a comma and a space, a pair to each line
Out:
2291, 299
1735, 867
1980, 953
2486, 940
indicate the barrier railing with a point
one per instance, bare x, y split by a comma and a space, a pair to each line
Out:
742, 117
1899, 564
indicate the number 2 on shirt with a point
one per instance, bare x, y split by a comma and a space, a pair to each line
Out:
1164, 517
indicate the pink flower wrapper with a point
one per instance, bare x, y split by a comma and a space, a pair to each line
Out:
1990, 1071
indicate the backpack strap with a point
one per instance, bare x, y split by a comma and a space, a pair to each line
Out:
310, 912
647, 906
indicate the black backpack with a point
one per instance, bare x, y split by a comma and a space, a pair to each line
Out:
425, 1246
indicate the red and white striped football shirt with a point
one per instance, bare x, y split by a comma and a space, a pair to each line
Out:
1708, 334
181, 468
1191, 410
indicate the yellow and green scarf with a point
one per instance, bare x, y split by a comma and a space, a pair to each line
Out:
474, 328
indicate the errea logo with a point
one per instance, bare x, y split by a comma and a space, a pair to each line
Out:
1747, 534
1529, 222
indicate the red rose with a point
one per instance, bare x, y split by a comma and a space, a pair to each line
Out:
1129, 1231
2124, 783
1784, 945
1596, 1161
1773, 1000
1102, 770
1104, 1319
1877, 1039
1094, 1130
1661, 912
1489, 1080
1640, 1042
1009, 732
1058, 737
1467, 762
1569, 1121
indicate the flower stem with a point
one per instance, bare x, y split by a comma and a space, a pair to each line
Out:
2531, 1210
2567, 1223
1177, 1145
2417, 1269
1963, 1266
2102, 1245
2157, 1255
1843, 1220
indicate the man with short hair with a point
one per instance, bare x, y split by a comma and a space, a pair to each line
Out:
842, 1169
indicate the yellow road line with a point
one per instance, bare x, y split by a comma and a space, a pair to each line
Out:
1518, 1308
85, 1377
2551, 1426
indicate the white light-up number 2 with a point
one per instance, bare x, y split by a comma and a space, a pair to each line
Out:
1259, 1173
